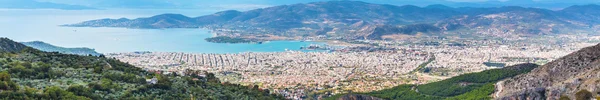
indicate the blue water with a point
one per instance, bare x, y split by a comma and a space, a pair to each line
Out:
42, 25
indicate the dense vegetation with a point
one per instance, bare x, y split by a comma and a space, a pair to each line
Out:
225, 39
468, 82
493, 64
584, 95
473, 86
423, 67
32, 74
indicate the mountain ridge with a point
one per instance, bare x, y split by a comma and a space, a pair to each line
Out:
7, 45
358, 20
52, 48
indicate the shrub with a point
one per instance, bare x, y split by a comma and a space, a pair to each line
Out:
82, 91
6, 83
583, 95
55, 93
11, 95
563, 97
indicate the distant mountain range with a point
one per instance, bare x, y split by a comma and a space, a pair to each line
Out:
360, 20
51, 48
253, 4
32, 4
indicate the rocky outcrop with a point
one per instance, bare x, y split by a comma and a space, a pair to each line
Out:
566, 76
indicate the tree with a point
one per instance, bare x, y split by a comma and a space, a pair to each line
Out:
163, 82
6, 83
564, 98
98, 69
82, 91
210, 77
55, 93
583, 95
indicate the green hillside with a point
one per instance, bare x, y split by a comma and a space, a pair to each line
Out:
27, 73
472, 86
51, 48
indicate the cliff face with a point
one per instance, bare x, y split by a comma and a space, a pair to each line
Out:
565, 76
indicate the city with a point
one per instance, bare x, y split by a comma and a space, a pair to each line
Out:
359, 69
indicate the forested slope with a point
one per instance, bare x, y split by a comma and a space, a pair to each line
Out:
472, 86
27, 73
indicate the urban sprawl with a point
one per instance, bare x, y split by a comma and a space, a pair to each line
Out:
362, 66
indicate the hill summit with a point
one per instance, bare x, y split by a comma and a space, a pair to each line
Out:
564, 77
7, 45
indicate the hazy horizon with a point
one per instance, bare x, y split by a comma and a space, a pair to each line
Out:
254, 4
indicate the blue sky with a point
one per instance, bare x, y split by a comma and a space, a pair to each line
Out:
253, 4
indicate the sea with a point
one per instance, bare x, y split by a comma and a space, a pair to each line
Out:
25, 25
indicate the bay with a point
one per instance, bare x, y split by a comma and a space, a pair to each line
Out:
42, 25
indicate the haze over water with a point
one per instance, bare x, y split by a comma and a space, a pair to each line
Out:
42, 25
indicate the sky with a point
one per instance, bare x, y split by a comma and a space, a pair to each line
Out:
253, 4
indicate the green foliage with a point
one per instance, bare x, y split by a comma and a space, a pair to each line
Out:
24, 94
481, 93
55, 93
563, 97
6, 83
73, 77
28, 70
13, 95
163, 82
80, 90
51, 48
473, 86
98, 69
210, 77
583, 95
468, 82
422, 67
104, 85
492, 64
402, 92
225, 39
126, 77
